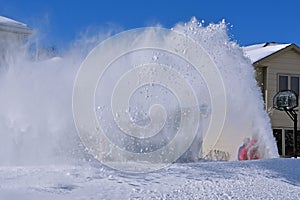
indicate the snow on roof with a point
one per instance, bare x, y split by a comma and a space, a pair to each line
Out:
259, 51
12, 25
5, 20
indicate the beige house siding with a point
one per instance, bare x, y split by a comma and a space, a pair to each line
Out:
261, 78
287, 63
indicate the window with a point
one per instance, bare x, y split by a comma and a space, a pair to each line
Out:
291, 82
285, 141
283, 82
295, 84
278, 136
289, 142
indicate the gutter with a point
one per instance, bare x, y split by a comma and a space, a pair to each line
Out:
15, 28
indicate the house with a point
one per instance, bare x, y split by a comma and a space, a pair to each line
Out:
277, 68
13, 35
12, 28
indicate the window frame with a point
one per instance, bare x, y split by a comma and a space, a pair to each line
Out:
289, 81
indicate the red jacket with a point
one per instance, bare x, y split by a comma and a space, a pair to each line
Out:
250, 152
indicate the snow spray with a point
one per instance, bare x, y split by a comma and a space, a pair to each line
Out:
157, 103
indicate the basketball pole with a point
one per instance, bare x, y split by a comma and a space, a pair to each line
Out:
293, 115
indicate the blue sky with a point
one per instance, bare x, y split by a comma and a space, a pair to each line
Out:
61, 21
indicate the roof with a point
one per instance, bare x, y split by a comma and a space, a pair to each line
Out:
258, 52
10, 25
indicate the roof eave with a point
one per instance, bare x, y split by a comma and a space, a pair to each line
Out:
16, 29
271, 56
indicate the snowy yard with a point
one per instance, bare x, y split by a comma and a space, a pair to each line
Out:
262, 179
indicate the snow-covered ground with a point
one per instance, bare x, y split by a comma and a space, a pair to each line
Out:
261, 179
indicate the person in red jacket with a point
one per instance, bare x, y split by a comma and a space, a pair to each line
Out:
245, 144
250, 152
253, 150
